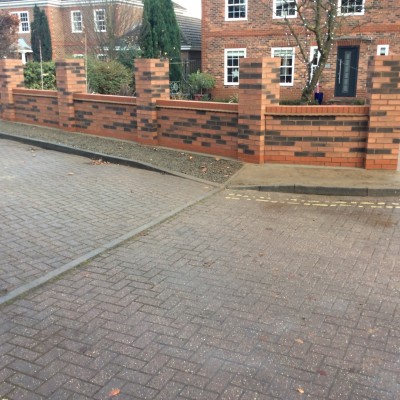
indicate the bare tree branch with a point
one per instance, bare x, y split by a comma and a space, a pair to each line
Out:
8, 33
106, 23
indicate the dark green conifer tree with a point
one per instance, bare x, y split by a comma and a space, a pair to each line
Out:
160, 35
40, 35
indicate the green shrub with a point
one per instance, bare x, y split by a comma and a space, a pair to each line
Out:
292, 102
231, 99
32, 75
108, 77
201, 81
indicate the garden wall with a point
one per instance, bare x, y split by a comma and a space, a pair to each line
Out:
256, 130
112, 116
39, 107
198, 126
316, 135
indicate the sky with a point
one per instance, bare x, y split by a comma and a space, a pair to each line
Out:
193, 7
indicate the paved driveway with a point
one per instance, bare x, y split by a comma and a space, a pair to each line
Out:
242, 296
56, 207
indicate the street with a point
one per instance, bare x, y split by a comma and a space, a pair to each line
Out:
228, 295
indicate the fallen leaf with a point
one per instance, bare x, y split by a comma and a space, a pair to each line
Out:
299, 341
99, 162
217, 158
322, 372
114, 392
203, 168
190, 158
70, 173
300, 390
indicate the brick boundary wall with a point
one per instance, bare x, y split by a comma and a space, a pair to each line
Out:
11, 77
256, 130
152, 84
71, 78
111, 116
383, 86
258, 88
316, 135
39, 107
204, 127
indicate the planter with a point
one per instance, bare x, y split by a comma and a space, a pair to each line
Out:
319, 97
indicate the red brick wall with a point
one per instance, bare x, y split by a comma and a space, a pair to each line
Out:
258, 88
39, 107
152, 84
71, 78
11, 77
255, 130
384, 100
260, 32
198, 126
316, 135
111, 116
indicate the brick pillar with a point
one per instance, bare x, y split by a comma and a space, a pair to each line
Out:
152, 84
383, 86
258, 88
11, 77
71, 78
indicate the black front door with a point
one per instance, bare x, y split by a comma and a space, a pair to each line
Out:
346, 72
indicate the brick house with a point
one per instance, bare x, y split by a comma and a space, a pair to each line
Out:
69, 20
232, 29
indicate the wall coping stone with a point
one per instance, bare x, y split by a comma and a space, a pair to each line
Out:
35, 92
199, 105
104, 98
318, 110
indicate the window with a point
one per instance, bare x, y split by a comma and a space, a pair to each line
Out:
78, 56
236, 9
76, 21
383, 50
232, 57
287, 64
23, 21
285, 9
100, 20
314, 58
351, 7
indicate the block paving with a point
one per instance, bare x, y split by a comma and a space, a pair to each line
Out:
230, 299
56, 207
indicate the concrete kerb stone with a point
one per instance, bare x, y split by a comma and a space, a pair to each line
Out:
320, 190
22, 290
105, 157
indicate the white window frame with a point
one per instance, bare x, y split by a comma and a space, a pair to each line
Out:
21, 23
227, 5
273, 50
78, 56
274, 12
73, 21
226, 53
312, 50
96, 20
384, 47
340, 2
